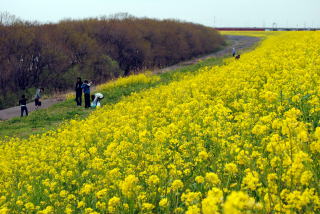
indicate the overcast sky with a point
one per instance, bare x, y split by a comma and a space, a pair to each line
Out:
219, 13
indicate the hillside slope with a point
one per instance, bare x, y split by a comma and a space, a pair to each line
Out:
242, 137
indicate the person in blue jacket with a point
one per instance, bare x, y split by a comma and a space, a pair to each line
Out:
86, 90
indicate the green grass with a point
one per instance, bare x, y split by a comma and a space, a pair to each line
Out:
43, 120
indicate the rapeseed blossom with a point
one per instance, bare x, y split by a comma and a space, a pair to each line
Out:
239, 138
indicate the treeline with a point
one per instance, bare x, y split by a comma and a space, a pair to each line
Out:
52, 55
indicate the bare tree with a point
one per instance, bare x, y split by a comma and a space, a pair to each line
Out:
8, 19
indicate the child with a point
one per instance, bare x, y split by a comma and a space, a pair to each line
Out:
23, 104
86, 90
96, 98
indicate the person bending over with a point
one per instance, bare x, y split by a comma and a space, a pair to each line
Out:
96, 98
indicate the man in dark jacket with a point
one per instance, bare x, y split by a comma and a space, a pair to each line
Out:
79, 91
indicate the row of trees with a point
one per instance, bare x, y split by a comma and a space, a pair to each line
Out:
52, 55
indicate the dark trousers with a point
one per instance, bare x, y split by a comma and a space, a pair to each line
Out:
87, 100
79, 98
24, 109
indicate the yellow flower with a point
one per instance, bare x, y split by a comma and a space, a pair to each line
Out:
193, 210
63, 193
126, 206
81, 204
203, 155
176, 185
163, 203
3, 199
90, 211
191, 198
212, 178
199, 179
147, 207
298, 200
86, 189
101, 205
113, 203
68, 210
29, 206
251, 180
100, 194
231, 168
19, 203
47, 210
306, 177
178, 210
238, 202
4, 210
128, 185
153, 180
209, 206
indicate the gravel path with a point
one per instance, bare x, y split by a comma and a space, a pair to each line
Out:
238, 42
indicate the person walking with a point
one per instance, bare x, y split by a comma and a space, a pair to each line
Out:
23, 104
79, 91
233, 52
37, 97
86, 90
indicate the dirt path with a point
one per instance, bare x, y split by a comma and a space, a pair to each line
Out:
12, 112
238, 42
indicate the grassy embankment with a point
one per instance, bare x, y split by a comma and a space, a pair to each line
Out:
47, 119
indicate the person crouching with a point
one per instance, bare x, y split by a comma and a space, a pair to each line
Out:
96, 98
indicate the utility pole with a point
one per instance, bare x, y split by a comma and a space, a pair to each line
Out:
305, 26
274, 26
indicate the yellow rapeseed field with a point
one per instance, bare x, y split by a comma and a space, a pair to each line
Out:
239, 138
250, 33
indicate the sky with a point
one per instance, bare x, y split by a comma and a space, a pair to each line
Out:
214, 13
